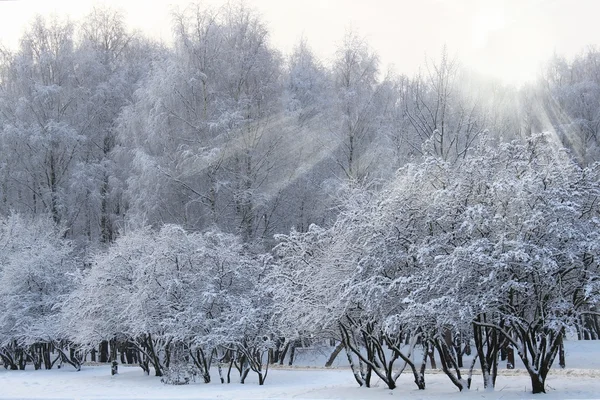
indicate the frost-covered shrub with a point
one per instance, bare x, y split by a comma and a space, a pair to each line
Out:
180, 373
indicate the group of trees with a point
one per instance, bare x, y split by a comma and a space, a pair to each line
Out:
175, 298
213, 202
60, 98
498, 251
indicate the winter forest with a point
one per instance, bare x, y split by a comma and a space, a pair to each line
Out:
203, 210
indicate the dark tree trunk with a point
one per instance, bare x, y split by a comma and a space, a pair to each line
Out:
536, 384
283, 353
431, 357
21, 360
244, 375
113, 349
8, 362
73, 361
561, 354
104, 351
202, 363
376, 360
489, 341
46, 355
122, 351
510, 357
334, 354
154, 357
292, 353
458, 349
229, 370
449, 364
131, 354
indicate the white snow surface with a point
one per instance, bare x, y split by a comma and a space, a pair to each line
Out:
581, 380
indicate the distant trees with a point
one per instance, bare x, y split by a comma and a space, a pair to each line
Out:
440, 111
111, 64
220, 130
355, 74
60, 99
308, 83
571, 98
207, 152
42, 133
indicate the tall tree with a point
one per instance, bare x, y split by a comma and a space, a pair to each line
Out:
43, 131
208, 150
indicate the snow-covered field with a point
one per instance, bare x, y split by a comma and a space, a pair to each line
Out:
131, 383
581, 380
97, 383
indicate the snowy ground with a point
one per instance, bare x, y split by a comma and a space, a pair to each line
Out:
581, 380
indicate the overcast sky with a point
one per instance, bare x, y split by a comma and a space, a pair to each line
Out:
507, 39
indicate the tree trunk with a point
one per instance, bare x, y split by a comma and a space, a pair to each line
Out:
334, 354
283, 353
21, 361
46, 356
261, 379
431, 357
292, 353
561, 353
449, 365
510, 358
104, 351
537, 384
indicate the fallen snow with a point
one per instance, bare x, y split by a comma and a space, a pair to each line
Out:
578, 381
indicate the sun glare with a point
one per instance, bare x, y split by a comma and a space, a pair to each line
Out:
486, 22
509, 44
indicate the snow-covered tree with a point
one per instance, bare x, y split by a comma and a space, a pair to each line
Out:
442, 112
308, 83
41, 134
176, 296
199, 134
37, 271
499, 246
510, 244
337, 282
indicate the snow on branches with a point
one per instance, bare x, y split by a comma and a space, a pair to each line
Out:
176, 297
501, 245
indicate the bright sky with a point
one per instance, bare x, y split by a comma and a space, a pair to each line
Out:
507, 39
